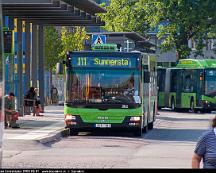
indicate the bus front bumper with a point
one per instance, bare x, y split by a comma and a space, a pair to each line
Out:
209, 106
77, 124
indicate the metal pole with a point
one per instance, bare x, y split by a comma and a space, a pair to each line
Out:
1, 87
20, 67
34, 56
41, 65
28, 53
128, 46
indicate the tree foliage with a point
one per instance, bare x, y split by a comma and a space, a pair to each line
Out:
52, 47
176, 21
72, 40
57, 43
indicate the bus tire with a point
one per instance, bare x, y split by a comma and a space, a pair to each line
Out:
173, 104
192, 105
145, 129
151, 125
73, 132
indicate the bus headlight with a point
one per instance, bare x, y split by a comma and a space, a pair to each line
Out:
205, 102
135, 119
70, 117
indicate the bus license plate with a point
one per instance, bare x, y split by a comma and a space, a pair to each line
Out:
103, 125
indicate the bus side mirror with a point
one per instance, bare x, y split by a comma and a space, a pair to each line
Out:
59, 68
146, 77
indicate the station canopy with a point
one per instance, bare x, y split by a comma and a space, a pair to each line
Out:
55, 12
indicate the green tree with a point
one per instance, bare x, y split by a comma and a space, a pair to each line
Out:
120, 15
72, 40
182, 20
53, 47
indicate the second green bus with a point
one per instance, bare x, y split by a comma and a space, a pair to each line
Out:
190, 85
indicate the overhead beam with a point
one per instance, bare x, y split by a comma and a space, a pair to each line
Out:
86, 5
55, 3
63, 11
26, 1
68, 22
52, 18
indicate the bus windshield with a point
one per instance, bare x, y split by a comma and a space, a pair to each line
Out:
210, 84
95, 87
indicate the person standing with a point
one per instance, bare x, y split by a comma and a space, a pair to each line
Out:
206, 149
10, 114
54, 94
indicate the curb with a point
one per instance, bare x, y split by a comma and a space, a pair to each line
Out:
54, 136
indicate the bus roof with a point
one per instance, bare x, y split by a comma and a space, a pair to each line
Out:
196, 63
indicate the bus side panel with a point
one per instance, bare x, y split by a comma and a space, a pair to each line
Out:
172, 96
186, 99
146, 103
153, 87
161, 99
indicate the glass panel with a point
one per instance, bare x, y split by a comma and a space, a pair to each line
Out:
210, 83
189, 81
174, 80
103, 86
161, 73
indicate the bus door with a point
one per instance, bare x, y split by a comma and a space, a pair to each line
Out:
200, 85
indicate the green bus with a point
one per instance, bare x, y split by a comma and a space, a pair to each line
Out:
190, 85
110, 90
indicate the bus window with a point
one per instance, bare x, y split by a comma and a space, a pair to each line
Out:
210, 83
161, 78
96, 86
188, 81
173, 82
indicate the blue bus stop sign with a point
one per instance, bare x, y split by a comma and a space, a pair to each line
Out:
98, 39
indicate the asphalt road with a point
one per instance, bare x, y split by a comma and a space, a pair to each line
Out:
169, 145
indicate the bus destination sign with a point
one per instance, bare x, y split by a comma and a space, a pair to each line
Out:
113, 62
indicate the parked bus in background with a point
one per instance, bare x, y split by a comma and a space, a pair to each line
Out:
110, 89
190, 85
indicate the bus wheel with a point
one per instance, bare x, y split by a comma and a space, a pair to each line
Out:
192, 106
145, 129
172, 104
73, 132
151, 125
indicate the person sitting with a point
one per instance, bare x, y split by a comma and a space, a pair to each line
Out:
38, 108
11, 116
33, 101
29, 100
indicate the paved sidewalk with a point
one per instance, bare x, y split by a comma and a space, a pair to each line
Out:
39, 128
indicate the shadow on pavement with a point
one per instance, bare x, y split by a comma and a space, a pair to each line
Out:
107, 133
182, 119
186, 135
